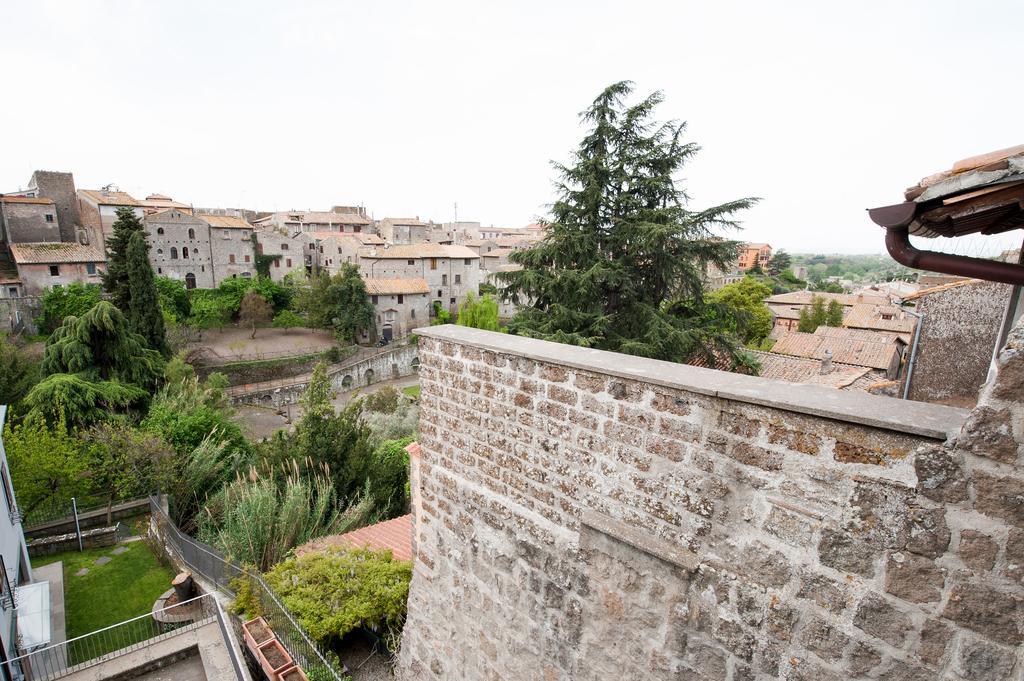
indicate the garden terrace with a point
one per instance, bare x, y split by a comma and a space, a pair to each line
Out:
579, 514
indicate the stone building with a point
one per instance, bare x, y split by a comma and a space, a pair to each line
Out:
582, 515
180, 248
155, 203
874, 317
492, 260
333, 249
233, 247
97, 209
293, 250
59, 188
959, 328
404, 230
318, 221
26, 219
450, 271
873, 351
481, 246
42, 265
401, 305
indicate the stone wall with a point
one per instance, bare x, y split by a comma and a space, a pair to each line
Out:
958, 334
398, 362
60, 187
586, 515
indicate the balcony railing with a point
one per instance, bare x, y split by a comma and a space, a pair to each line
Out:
117, 640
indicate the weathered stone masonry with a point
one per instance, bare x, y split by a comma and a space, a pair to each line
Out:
586, 515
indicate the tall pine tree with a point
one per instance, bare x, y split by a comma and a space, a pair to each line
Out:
116, 278
145, 316
623, 262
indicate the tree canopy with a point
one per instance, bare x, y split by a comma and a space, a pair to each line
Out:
116, 279
623, 262
145, 316
72, 300
743, 311
339, 302
820, 314
479, 313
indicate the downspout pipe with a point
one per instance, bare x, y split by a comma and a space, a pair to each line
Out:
897, 219
913, 351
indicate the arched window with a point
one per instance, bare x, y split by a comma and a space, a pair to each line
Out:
190, 280
159, 251
184, 252
159, 230
174, 253
191, 233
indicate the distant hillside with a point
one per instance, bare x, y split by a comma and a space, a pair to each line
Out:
857, 268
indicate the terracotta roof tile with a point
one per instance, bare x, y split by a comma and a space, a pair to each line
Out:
25, 199
394, 535
102, 198
294, 217
225, 221
807, 298
802, 370
424, 250
46, 253
867, 316
385, 287
844, 350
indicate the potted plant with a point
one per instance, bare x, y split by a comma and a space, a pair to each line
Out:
273, 658
256, 632
293, 673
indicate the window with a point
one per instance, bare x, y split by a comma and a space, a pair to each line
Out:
202, 268
410, 262
458, 279
246, 275
12, 292
373, 299
90, 268
190, 280
159, 270
284, 247
247, 258
444, 280
433, 263
401, 299
191, 233
184, 253
12, 509
277, 262
357, 228
467, 262
339, 250
54, 271
174, 253
453, 301
439, 293
159, 251
49, 217
412, 313
231, 258
159, 230
288, 262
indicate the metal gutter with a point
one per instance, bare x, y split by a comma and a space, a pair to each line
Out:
913, 350
897, 219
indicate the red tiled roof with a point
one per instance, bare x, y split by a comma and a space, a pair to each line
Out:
394, 535
384, 287
25, 199
857, 352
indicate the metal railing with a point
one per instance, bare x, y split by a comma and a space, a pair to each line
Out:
117, 640
65, 512
212, 565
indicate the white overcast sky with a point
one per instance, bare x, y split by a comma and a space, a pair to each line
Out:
822, 109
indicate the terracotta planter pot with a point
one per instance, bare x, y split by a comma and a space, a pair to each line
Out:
256, 634
293, 673
273, 658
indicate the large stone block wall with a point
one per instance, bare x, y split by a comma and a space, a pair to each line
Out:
586, 515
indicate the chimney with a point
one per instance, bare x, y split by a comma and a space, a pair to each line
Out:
826, 363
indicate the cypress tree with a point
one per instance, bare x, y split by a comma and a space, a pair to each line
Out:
145, 316
623, 262
115, 279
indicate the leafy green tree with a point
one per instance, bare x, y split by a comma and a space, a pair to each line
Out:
178, 370
834, 314
72, 300
254, 310
174, 298
780, 261
820, 314
828, 287
287, 319
339, 302
208, 312
742, 309
116, 279
486, 287
99, 345
231, 291
125, 463
479, 313
441, 315
383, 400
622, 265
145, 316
17, 373
389, 478
47, 466
80, 400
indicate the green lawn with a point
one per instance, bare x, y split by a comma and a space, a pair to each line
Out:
124, 588
412, 391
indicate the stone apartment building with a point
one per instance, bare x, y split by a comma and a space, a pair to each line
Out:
353, 220
450, 271
404, 230
331, 250
59, 188
42, 265
401, 305
26, 219
200, 250
97, 210
294, 250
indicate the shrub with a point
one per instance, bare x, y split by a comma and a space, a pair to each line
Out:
383, 400
72, 300
401, 423
333, 592
389, 478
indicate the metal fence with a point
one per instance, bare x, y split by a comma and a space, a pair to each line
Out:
212, 565
124, 638
65, 512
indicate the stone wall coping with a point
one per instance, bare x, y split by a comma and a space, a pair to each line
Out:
904, 416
